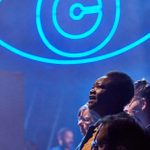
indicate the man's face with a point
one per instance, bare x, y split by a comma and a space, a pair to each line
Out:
67, 139
100, 93
84, 121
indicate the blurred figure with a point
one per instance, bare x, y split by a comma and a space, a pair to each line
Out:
118, 133
139, 106
65, 140
86, 118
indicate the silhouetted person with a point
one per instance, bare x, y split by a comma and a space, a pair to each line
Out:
108, 96
119, 133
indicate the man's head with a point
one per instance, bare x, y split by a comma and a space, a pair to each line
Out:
116, 133
65, 138
86, 118
140, 103
111, 93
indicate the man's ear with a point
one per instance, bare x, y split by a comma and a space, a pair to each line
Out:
120, 147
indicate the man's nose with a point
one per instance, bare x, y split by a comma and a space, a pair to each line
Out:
92, 91
79, 122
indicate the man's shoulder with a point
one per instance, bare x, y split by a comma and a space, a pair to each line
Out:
121, 115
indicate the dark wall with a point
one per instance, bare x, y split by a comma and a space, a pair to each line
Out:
11, 111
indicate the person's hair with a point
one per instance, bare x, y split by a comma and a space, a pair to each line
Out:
123, 86
82, 108
93, 114
142, 90
125, 131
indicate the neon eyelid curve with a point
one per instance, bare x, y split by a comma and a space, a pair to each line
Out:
81, 54
81, 61
85, 60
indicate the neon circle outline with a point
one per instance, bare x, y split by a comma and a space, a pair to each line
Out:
85, 10
80, 61
75, 36
81, 54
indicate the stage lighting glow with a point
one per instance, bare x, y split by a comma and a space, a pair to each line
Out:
96, 9
84, 10
83, 54
80, 61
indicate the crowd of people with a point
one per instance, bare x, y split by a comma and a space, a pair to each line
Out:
116, 116
124, 114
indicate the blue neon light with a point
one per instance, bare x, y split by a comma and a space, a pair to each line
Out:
81, 54
84, 11
80, 61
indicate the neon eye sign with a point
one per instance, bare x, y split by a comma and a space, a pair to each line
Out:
82, 11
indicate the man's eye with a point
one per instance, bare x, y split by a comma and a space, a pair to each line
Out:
100, 86
87, 119
93, 86
84, 119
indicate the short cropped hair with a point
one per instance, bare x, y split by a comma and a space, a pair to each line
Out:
123, 85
